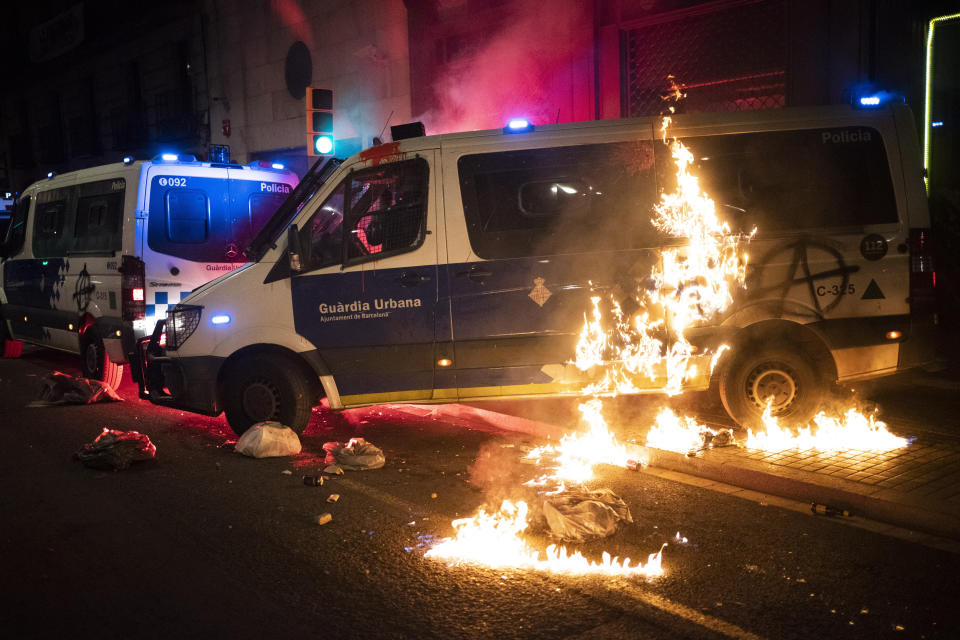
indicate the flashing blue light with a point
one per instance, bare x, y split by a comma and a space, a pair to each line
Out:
169, 157
937, 123
220, 319
869, 101
49, 174
518, 125
127, 159
278, 165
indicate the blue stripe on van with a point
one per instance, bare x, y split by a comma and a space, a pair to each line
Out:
160, 297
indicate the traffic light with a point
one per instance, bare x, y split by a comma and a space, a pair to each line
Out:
319, 122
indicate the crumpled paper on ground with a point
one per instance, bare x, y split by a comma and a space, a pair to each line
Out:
268, 439
356, 455
114, 449
60, 389
580, 514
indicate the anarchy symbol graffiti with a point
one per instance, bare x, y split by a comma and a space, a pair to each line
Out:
83, 290
798, 272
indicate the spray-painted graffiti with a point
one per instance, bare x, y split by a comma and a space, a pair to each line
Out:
793, 269
82, 290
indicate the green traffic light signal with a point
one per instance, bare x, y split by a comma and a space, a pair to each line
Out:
323, 144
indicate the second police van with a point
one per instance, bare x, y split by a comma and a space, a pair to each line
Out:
93, 257
459, 267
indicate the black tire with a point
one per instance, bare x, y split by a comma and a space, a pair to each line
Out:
94, 361
267, 387
786, 375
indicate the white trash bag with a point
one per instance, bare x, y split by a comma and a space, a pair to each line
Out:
268, 440
578, 515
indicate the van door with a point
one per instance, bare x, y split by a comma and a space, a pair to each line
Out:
368, 293
548, 228
188, 234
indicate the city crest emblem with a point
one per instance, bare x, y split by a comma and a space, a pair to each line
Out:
539, 294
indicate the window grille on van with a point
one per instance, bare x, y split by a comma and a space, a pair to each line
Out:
729, 59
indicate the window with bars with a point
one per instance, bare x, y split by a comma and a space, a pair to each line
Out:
730, 59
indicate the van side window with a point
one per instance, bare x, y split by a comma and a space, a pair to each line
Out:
792, 180
17, 229
547, 201
387, 210
325, 231
188, 216
51, 237
97, 227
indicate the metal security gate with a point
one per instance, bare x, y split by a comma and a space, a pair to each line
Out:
728, 58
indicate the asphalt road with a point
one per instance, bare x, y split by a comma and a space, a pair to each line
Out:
204, 542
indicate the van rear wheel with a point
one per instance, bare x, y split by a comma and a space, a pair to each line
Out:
267, 388
783, 377
94, 361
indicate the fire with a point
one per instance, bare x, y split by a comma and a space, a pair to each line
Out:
853, 430
495, 540
574, 458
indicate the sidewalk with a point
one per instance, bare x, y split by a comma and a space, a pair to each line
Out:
917, 487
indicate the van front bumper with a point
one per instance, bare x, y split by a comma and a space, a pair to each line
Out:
189, 383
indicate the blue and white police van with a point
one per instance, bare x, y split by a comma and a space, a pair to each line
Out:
459, 267
93, 257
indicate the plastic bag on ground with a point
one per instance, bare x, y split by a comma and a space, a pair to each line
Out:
59, 389
356, 455
114, 449
578, 514
268, 440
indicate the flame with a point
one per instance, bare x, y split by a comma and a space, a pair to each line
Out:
574, 457
692, 283
853, 430
496, 540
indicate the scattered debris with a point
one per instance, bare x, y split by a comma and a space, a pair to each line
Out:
581, 514
286, 472
827, 510
268, 440
711, 439
114, 449
356, 455
634, 465
324, 518
59, 389
313, 481
334, 470
333, 497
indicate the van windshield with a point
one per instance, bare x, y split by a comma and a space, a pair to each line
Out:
309, 185
209, 219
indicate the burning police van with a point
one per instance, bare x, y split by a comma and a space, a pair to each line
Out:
471, 266
93, 257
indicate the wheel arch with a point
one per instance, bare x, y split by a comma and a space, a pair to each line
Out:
779, 331
310, 364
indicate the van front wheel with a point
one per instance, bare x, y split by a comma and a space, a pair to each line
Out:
784, 378
264, 388
94, 361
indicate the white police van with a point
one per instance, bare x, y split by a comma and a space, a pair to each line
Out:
93, 257
459, 267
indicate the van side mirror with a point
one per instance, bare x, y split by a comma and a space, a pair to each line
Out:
294, 250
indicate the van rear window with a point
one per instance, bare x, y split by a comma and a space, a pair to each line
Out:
208, 219
781, 181
559, 200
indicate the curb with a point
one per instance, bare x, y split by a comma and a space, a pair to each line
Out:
908, 513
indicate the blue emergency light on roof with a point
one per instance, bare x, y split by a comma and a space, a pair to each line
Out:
169, 157
278, 166
127, 159
869, 101
220, 318
49, 174
937, 123
518, 125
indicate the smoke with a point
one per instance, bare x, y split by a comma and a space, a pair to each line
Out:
526, 69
